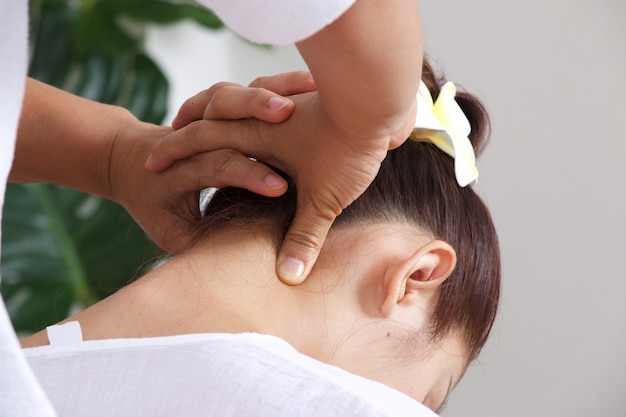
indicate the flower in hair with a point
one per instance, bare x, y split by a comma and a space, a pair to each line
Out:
444, 124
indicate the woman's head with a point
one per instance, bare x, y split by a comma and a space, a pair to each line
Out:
416, 184
416, 187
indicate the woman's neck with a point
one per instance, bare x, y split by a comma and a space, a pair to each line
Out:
228, 284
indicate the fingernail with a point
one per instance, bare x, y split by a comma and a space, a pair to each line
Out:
277, 103
274, 181
291, 270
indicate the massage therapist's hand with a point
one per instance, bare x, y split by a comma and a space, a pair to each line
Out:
165, 203
367, 66
101, 149
331, 166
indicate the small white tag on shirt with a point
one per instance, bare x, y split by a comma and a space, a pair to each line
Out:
65, 334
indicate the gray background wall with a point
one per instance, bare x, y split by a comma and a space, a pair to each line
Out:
552, 73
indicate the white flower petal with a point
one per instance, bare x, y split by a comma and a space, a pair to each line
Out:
446, 126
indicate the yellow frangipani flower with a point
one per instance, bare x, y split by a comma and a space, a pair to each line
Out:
444, 124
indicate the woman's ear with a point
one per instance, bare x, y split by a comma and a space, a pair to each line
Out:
416, 278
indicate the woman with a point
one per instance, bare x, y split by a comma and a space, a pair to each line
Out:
404, 293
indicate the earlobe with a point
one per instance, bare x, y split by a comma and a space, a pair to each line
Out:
425, 270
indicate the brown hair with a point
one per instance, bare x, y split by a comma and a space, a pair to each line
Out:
416, 184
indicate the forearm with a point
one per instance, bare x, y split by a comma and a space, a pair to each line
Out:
367, 64
66, 140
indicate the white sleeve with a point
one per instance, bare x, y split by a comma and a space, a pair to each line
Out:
277, 22
14, 58
20, 393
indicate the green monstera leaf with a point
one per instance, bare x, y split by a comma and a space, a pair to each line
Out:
62, 249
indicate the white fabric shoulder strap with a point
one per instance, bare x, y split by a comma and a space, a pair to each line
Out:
65, 334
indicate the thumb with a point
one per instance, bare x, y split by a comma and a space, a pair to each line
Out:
302, 244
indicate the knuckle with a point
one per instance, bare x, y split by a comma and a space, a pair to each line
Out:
193, 130
224, 161
218, 95
219, 92
306, 242
328, 207
258, 96
218, 87
260, 82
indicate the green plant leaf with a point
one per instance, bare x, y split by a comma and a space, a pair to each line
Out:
148, 95
98, 30
164, 12
103, 77
34, 307
52, 33
204, 17
62, 248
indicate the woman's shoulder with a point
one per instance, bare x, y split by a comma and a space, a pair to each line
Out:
205, 374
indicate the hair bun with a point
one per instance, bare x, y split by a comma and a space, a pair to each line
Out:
472, 107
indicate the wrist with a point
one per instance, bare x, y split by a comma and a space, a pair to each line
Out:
129, 148
66, 140
123, 121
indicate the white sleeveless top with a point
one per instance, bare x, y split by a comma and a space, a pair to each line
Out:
215, 374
